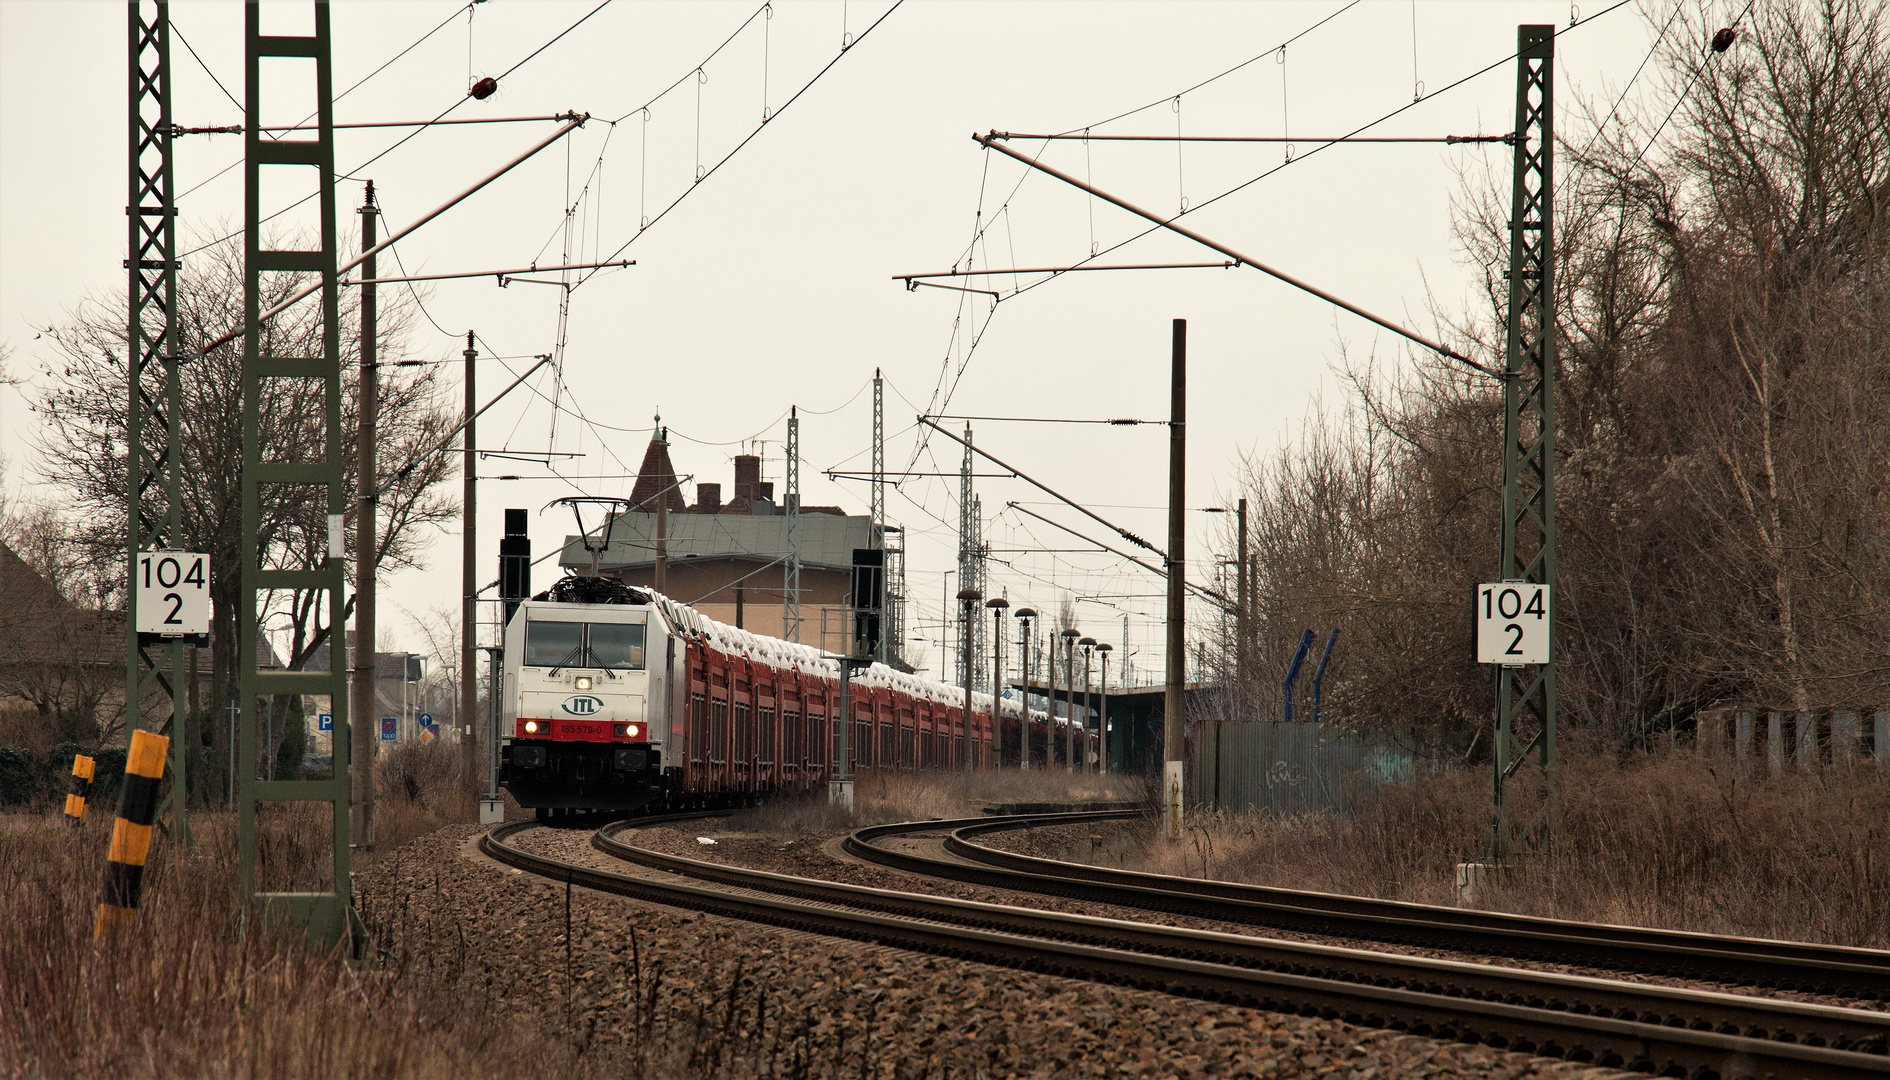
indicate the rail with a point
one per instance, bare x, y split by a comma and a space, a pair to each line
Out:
1650, 1028
1823, 969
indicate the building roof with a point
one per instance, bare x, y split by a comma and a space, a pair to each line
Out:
38, 625
827, 540
655, 475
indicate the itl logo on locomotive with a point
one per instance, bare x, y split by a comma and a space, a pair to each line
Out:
583, 705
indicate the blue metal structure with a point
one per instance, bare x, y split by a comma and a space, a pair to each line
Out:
1319, 673
1292, 675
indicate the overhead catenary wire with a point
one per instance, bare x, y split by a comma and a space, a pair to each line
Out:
1201, 590
711, 170
403, 140
937, 405
1215, 78
1433, 96
421, 40
1698, 70
1616, 107
1198, 238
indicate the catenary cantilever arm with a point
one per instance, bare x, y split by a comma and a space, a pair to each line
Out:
1048, 490
398, 235
994, 141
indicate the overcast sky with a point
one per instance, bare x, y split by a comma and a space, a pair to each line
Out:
771, 283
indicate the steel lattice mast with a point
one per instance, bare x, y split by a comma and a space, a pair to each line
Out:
154, 511
791, 498
1525, 697
878, 541
969, 637
328, 916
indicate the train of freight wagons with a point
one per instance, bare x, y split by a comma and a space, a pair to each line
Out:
617, 698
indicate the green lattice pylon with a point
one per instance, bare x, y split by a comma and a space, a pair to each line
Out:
153, 511
1525, 696
328, 915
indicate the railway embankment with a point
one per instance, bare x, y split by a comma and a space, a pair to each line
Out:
850, 1006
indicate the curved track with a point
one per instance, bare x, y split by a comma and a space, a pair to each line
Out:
1649, 1028
1821, 969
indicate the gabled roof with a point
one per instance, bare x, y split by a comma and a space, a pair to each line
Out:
38, 625
657, 474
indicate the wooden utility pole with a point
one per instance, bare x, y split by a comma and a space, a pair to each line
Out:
1173, 705
469, 584
361, 718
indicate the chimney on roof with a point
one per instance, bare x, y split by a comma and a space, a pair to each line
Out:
708, 498
747, 476
767, 489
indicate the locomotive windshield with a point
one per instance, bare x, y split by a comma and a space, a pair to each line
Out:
617, 646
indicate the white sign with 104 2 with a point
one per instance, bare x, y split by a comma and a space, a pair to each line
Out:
173, 592
1512, 623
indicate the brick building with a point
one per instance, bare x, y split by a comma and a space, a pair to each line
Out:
727, 558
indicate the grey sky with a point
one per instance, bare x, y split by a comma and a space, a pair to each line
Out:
770, 284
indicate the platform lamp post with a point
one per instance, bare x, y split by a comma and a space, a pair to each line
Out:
968, 602
1024, 615
1102, 713
1070, 634
998, 606
1089, 648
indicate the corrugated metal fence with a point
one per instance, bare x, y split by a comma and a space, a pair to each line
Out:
1286, 768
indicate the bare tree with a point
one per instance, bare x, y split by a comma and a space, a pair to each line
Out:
80, 395
1721, 402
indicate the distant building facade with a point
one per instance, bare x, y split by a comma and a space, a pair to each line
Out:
728, 559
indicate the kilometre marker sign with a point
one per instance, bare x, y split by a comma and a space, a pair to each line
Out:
173, 589
1512, 623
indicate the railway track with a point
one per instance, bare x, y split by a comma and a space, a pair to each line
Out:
1657, 1029
1830, 970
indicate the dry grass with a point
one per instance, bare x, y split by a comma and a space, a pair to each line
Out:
420, 789
1667, 839
195, 989
887, 796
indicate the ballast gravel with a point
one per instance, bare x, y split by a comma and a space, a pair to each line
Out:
818, 855
645, 990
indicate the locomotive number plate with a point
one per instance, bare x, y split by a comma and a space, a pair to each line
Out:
579, 729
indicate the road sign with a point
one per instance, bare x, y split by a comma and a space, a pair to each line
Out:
173, 593
325, 722
1512, 623
426, 719
426, 735
389, 728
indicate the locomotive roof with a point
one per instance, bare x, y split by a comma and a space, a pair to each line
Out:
781, 653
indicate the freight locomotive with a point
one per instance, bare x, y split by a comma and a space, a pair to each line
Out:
618, 698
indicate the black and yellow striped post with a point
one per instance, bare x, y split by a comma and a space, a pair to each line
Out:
131, 833
82, 770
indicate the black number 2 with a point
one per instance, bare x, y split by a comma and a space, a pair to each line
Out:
1513, 650
177, 605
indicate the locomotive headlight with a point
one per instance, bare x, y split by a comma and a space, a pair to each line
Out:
631, 731
531, 727
584, 682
